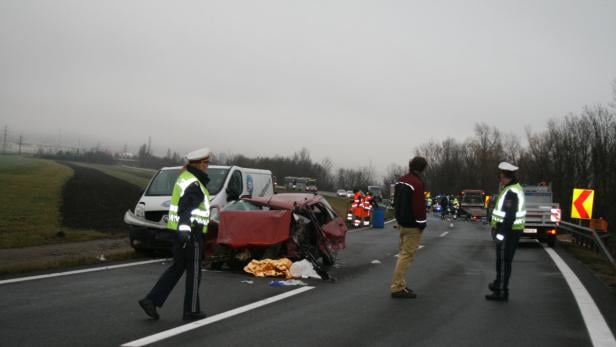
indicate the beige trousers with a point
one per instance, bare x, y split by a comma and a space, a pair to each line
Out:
409, 242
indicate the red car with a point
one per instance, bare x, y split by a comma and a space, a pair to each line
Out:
291, 225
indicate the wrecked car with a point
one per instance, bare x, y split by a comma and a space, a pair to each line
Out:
292, 225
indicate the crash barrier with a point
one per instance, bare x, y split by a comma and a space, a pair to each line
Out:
589, 238
378, 218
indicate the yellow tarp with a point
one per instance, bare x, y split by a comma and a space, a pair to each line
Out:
270, 268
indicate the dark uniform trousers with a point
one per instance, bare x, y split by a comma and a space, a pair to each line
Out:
186, 257
505, 250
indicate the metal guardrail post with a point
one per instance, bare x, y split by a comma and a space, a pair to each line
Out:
578, 229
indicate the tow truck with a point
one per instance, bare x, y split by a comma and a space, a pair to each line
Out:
472, 205
542, 214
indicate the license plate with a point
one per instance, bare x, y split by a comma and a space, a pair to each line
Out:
530, 231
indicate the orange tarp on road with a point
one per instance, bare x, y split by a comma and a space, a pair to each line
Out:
270, 268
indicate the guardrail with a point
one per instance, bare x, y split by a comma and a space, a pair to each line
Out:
587, 237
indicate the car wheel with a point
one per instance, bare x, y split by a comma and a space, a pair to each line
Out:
216, 266
237, 265
329, 261
327, 258
272, 252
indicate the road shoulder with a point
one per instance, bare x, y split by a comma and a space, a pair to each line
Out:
599, 291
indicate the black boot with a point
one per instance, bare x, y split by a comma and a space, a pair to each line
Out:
149, 308
190, 316
493, 286
498, 295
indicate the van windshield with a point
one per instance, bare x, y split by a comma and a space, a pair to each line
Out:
163, 183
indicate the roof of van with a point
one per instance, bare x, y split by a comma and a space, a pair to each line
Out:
219, 167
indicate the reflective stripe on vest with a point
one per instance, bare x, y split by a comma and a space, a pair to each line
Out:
368, 204
201, 214
498, 215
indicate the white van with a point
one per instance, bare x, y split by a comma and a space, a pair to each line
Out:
148, 221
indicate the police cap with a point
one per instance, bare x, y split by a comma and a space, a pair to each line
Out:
198, 155
505, 166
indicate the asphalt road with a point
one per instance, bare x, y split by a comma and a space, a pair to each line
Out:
450, 275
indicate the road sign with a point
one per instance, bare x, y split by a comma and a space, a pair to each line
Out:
581, 206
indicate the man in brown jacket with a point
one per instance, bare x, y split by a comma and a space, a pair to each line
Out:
410, 208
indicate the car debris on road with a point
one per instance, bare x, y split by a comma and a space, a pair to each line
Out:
304, 269
287, 283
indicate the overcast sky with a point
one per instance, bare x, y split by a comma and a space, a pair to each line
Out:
357, 81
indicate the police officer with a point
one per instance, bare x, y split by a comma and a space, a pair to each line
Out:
189, 214
508, 218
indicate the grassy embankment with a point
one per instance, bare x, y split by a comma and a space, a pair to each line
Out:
596, 262
135, 176
30, 200
32, 196
340, 205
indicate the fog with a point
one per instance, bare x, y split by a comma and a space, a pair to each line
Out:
360, 82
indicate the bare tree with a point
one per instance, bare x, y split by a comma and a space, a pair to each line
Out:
392, 174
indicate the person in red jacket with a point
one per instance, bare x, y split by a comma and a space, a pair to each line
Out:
410, 211
367, 205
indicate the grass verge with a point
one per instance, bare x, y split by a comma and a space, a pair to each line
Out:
54, 256
30, 200
595, 261
340, 205
135, 176
68, 262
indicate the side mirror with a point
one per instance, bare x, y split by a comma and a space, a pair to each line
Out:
214, 212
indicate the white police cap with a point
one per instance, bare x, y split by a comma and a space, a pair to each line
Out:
198, 154
505, 166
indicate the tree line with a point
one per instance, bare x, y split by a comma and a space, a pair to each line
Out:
576, 151
300, 164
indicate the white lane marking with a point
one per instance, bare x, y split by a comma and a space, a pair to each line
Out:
599, 331
213, 319
420, 247
444, 234
75, 272
390, 221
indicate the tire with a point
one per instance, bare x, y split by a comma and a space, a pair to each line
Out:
272, 252
329, 260
218, 257
237, 265
551, 241
216, 266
